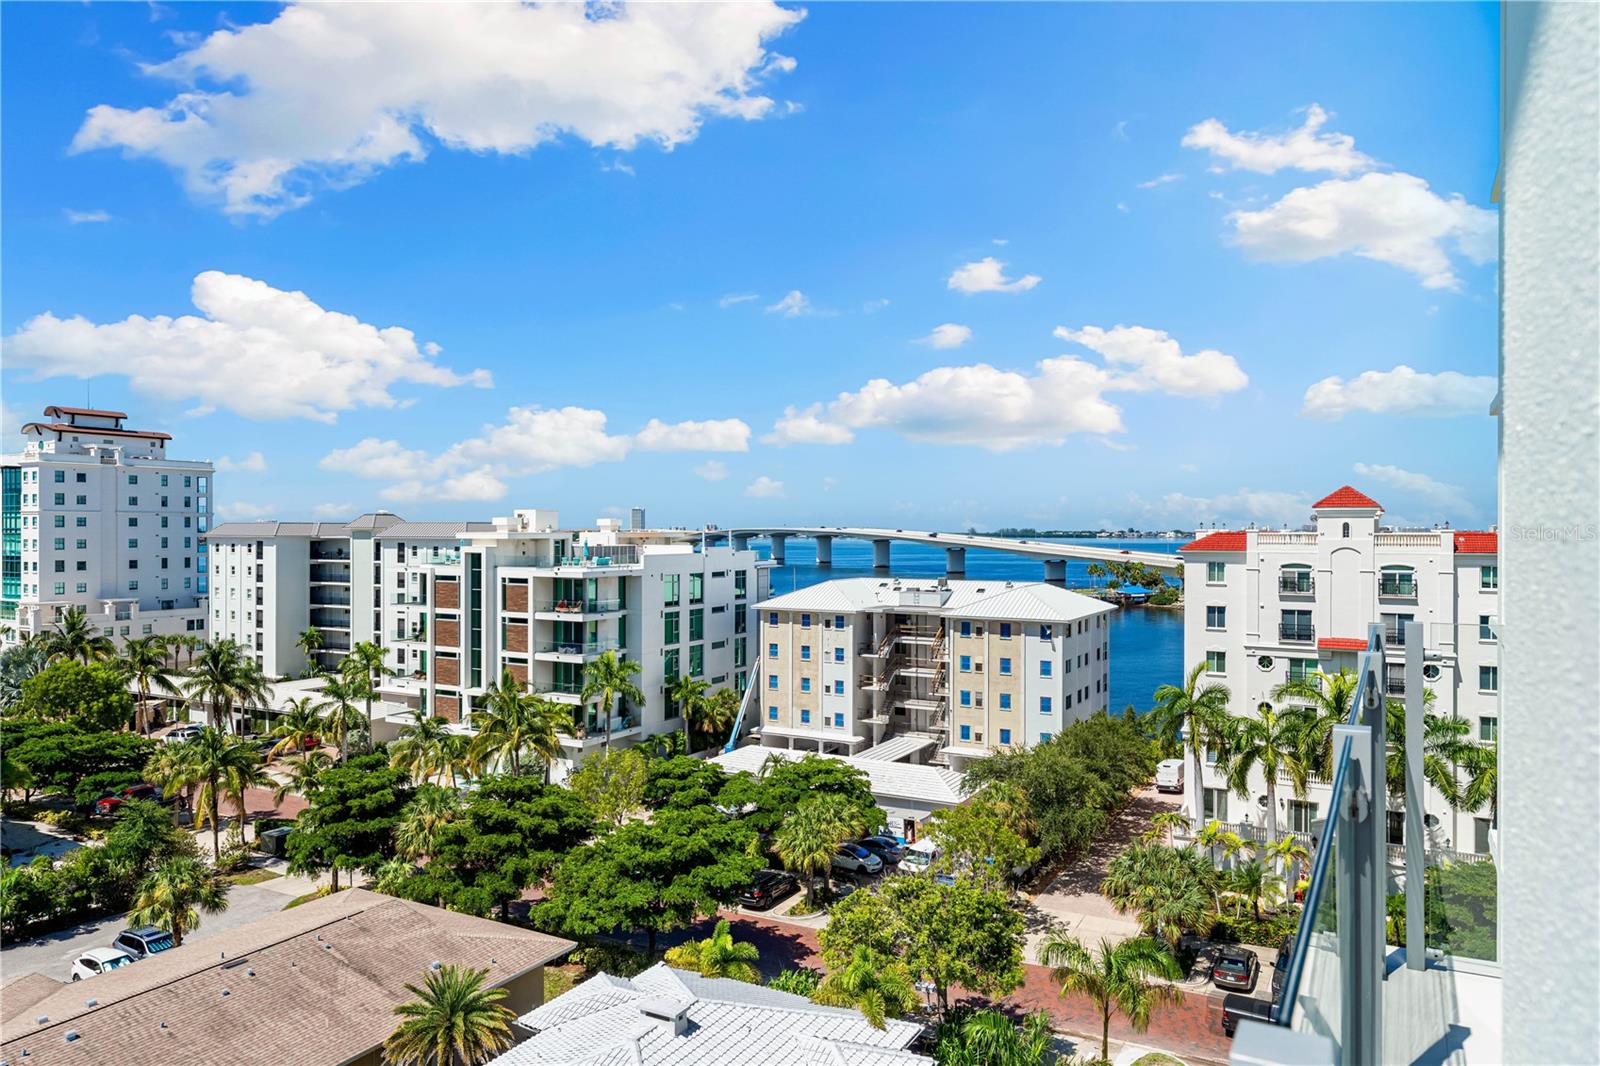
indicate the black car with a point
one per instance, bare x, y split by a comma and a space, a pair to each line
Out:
1235, 968
142, 942
1235, 1007
888, 849
1280, 966
769, 887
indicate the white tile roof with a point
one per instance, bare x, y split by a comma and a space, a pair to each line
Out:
1023, 601
897, 780
603, 1022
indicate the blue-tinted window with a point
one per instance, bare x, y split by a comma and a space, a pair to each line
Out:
966, 698
772, 651
1005, 701
805, 652
1005, 630
772, 713
1044, 667
805, 684
1044, 704
1005, 736
1044, 632
838, 621
966, 732
966, 664
1044, 737
772, 618
772, 680
1005, 666
805, 621
838, 720
966, 629
805, 716
838, 655
838, 688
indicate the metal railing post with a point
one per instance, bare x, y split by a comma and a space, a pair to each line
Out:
1416, 872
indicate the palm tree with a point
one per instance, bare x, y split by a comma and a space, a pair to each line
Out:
1217, 837
1274, 741
1253, 883
811, 834
223, 677
171, 769
364, 664
1116, 978
419, 750
304, 770
720, 710
1446, 745
18, 664
610, 679
1327, 697
341, 716
688, 694
1171, 889
144, 660
1165, 824
454, 1021
512, 722
74, 637
1290, 853
1482, 788
718, 955
190, 643
309, 642
1200, 711
172, 896
221, 766
430, 810
987, 1038
879, 988
300, 722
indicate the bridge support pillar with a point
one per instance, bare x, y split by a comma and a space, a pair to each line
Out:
955, 561
778, 542
824, 551
880, 555
741, 542
1055, 571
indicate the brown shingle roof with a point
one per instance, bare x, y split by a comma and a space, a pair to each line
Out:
315, 986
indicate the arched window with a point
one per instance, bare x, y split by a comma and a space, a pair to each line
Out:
1347, 531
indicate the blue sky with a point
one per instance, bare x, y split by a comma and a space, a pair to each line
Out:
697, 258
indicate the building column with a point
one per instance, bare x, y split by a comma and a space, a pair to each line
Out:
1055, 571
880, 555
955, 561
778, 542
741, 542
824, 551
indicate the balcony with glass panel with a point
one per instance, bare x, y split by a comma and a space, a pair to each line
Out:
1296, 582
576, 608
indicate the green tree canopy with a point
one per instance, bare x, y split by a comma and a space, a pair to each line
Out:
351, 820
683, 782
63, 759
613, 783
977, 840
91, 695
774, 794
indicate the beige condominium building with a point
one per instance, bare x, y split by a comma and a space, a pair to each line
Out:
938, 671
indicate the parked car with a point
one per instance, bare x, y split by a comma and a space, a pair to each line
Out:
1280, 966
142, 942
853, 858
919, 857
109, 803
1235, 1007
183, 733
1169, 775
1235, 968
769, 887
890, 850
96, 961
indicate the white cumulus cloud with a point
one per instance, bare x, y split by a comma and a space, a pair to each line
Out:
257, 351
793, 304
988, 275
1393, 218
947, 335
1451, 499
255, 462
327, 512
327, 95
1157, 362
1264, 507
807, 427
712, 470
1307, 148
1401, 391
764, 487
242, 511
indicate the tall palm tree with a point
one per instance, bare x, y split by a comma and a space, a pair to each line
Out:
1446, 741
430, 810
1201, 711
173, 895
224, 677
609, 679
1252, 883
1290, 853
879, 988
18, 664
171, 769
419, 750
364, 666
1482, 787
1328, 697
512, 723
688, 694
309, 642
811, 834
190, 644
341, 717
718, 955
221, 766
144, 660
300, 722
720, 710
453, 1021
1217, 837
304, 770
75, 637
1273, 740
1117, 978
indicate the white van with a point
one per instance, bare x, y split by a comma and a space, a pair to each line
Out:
1169, 775
919, 857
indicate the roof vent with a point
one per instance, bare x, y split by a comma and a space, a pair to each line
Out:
250, 972
434, 965
226, 993
670, 1014
163, 1025
91, 1002
72, 1034
41, 1019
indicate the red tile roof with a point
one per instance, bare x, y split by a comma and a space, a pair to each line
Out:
1341, 644
1223, 541
1474, 542
57, 410
1345, 496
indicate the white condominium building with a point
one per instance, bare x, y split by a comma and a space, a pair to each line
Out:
942, 670
95, 515
271, 581
1263, 607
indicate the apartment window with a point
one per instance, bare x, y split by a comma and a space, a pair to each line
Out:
966, 629
1005, 630
1005, 736
1486, 627
697, 623
133, 564
61, 499
61, 475
838, 655
697, 660
81, 565
1005, 666
772, 618
82, 521
133, 544
1302, 669
81, 477
838, 720
133, 479
163, 481
83, 586
133, 522
838, 621
1044, 738
1044, 632
805, 716
133, 586
61, 588
697, 588
966, 697
61, 544
1216, 805
1216, 662
669, 590
1302, 816
1480, 835
1216, 618
1005, 701
82, 501
60, 521
739, 652
772, 714
966, 732
772, 651
838, 688
133, 501
61, 566
805, 684
1068, 704
805, 653
1489, 730
669, 663
669, 627
1397, 581
772, 680
1216, 573
1296, 625
739, 584
805, 620
1044, 668
1044, 705
1488, 577
966, 664
1488, 679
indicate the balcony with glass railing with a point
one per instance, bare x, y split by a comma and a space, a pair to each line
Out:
580, 606
1296, 583
574, 647
1297, 632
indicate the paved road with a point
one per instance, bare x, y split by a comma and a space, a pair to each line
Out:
53, 954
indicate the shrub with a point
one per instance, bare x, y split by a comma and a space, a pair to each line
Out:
1268, 932
614, 959
800, 980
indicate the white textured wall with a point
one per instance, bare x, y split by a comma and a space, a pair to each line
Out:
1550, 561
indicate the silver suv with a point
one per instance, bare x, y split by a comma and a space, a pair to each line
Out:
143, 942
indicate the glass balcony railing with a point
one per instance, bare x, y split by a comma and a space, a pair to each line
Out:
1296, 584
1297, 632
559, 688
576, 647
579, 606
411, 599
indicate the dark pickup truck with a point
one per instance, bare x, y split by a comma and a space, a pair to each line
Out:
1235, 1006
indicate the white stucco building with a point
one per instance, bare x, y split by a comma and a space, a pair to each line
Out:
945, 670
95, 515
1263, 607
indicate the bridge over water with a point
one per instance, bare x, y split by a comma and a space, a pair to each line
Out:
956, 545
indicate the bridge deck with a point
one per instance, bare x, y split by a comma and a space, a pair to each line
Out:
1035, 549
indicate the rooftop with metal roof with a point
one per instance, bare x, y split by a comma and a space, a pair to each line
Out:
1025, 601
